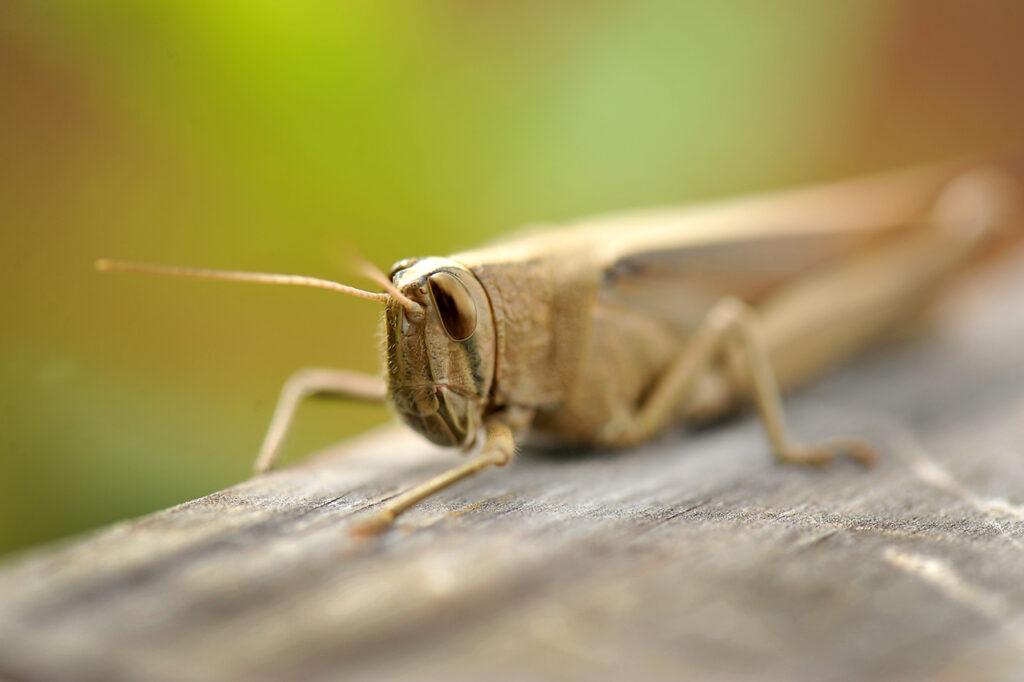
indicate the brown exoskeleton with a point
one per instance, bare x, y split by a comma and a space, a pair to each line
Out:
608, 331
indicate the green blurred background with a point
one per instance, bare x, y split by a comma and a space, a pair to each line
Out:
274, 135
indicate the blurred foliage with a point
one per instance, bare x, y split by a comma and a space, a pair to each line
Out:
274, 135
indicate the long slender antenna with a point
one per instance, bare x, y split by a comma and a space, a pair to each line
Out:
105, 265
373, 273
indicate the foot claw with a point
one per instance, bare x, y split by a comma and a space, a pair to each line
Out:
374, 525
823, 453
860, 450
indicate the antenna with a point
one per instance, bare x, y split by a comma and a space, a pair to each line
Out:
373, 273
105, 265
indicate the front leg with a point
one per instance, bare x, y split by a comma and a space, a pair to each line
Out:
313, 383
497, 450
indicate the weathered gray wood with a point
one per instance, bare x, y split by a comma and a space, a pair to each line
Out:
695, 556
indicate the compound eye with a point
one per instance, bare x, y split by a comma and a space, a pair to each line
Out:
454, 304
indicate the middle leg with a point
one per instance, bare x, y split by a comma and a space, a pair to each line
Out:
733, 324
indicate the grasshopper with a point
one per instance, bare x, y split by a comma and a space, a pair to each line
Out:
608, 331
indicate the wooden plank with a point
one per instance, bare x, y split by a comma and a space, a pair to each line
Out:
694, 556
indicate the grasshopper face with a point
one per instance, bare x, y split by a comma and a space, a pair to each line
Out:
440, 358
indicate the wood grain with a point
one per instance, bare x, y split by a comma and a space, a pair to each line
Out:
695, 556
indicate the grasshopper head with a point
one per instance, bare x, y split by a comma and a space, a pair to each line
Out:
440, 349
